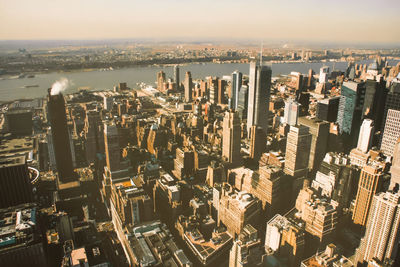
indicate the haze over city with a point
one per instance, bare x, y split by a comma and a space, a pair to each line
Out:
360, 21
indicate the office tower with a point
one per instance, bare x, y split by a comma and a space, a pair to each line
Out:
221, 91
285, 238
19, 122
257, 142
350, 109
374, 101
176, 77
323, 74
160, 80
188, 86
242, 102
93, 137
60, 136
319, 142
111, 143
371, 182
183, 163
395, 169
382, 233
319, 215
291, 114
336, 179
266, 185
327, 109
303, 99
391, 132
297, 151
108, 102
237, 209
310, 78
392, 101
213, 94
259, 94
247, 250
231, 138
366, 135
15, 184
236, 84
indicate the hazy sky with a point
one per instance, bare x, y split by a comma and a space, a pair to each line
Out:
360, 21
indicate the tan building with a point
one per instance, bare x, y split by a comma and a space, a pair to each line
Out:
319, 130
319, 215
237, 209
395, 169
285, 238
382, 232
231, 138
370, 183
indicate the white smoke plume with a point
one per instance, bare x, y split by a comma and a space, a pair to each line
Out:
60, 86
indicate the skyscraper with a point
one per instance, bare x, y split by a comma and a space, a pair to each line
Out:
60, 136
221, 91
392, 101
231, 138
176, 77
374, 101
395, 169
243, 102
382, 232
259, 94
112, 150
235, 89
327, 109
188, 87
350, 109
160, 80
291, 114
391, 132
366, 135
323, 74
370, 183
257, 142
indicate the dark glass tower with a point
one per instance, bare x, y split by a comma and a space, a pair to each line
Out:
59, 129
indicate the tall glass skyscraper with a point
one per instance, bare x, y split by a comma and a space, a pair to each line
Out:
259, 94
235, 89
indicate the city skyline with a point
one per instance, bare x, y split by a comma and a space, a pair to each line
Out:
312, 21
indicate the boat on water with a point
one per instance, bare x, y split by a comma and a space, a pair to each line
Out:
30, 86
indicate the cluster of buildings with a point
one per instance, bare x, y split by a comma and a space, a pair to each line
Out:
239, 170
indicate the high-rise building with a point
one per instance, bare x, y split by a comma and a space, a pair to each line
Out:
319, 131
19, 122
15, 184
366, 135
323, 74
176, 77
374, 101
382, 232
395, 169
297, 151
247, 250
327, 109
236, 84
285, 238
350, 109
60, 136
291, 114
259, 94
188, 86
257, 142
221, 91
371, 182
108, 102
237, 209
391, 132
231, 137
243, 102
160, 80
93, 137
392, 101
112, 150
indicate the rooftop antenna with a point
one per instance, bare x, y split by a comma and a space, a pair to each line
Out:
261, 53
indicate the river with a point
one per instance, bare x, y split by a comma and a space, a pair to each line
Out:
12, 89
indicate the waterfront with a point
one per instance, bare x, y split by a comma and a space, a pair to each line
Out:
12, 89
